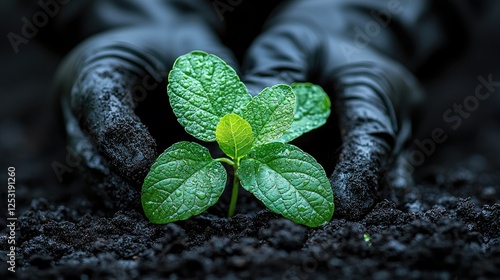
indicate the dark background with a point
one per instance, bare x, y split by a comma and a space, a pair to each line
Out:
30, 130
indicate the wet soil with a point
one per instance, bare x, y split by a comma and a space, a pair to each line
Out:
445, 227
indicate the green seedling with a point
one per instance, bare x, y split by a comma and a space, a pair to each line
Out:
212, 104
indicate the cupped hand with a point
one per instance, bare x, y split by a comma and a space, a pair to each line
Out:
371, 93
97, 85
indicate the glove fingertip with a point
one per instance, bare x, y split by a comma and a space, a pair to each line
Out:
353, 196
129, 148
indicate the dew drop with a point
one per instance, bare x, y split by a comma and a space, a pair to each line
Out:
201, 195
178, 193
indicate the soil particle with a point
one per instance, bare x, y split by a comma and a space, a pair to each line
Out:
284, 234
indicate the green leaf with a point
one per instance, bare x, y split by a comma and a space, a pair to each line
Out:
312, 109
289, 182
270, 113
183, 182
202, 89
234, 135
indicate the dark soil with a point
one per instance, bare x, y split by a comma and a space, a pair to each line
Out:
447, 227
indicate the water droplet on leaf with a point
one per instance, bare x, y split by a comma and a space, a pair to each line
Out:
201, 195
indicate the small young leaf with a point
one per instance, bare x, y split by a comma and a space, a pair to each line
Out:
311, 110
234, 135
183, 182
270, 113
202, 89
289, 182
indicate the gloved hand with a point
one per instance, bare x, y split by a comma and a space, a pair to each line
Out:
371, 93
99, 79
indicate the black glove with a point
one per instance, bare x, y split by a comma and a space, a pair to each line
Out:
314, 40
100, 80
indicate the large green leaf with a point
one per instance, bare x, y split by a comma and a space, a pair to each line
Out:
289, 182
270, 113
202, 89
234, 135
183, 182
312, 109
